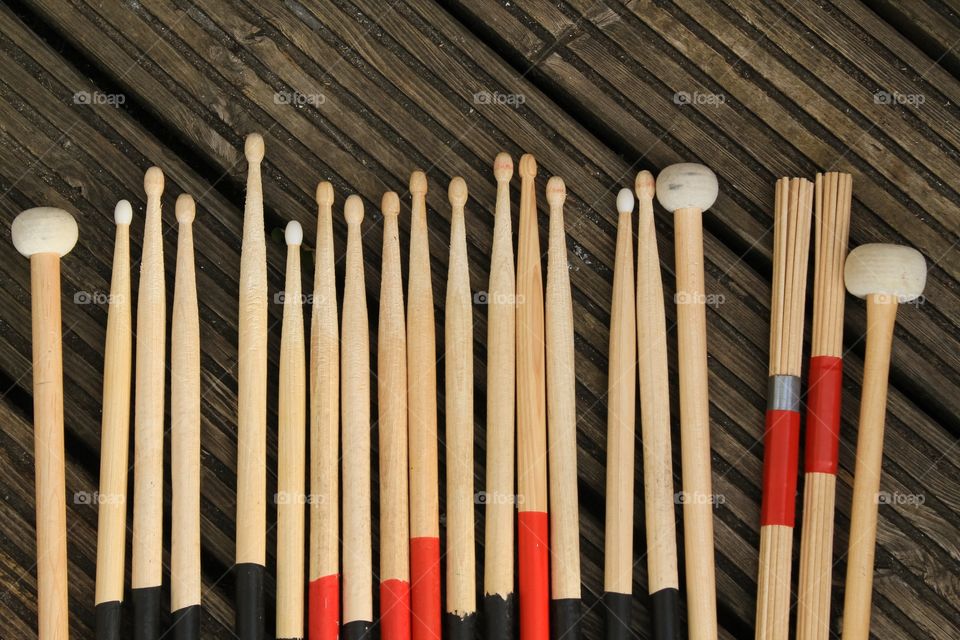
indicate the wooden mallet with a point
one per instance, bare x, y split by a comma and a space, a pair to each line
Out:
885, 275
115, 435
45, 235
688, 190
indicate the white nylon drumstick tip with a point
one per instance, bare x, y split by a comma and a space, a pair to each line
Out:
324, 194
418, 183
528, 166
293, 234
153, 181
457, 193
253, 147
625, 201
556, 191
353, 210
645, 185
186, 210
503, 167
123, 212
390, 204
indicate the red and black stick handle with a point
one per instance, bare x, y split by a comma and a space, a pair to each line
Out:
422, 412
833, 194
621, 422
44, 235
148, 421
532, 519
461, 602
185, 434
392, 404
355, 392
324, 563
794, 199
565, 611
251, 551
115, 435
499, 600
652, 370
885, 275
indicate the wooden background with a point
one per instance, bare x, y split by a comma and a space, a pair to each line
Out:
776, 87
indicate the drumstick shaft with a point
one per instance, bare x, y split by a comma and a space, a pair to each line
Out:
185, 435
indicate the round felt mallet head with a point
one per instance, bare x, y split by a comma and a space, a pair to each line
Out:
44, 230
886, 270
686, 186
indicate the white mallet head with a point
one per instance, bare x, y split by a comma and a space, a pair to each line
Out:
686, 186
885, 269
44, 230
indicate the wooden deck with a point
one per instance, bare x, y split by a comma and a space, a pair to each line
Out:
362, 92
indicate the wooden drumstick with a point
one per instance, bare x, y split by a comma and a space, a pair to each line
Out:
148, 420
794, 198
562, 433
621, 424
885, 275
824, 388
461, 608
532, 518
392, 394
324, 616
652, 370
355, 381
251, 552
115, 435
688, 190
499, 600
291, 451
422, 411
185, 434
45, 235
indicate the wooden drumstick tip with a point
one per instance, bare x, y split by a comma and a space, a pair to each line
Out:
293, 234
625, 201
885, 269
503, 167
325, 194
645, 186
353, 210
418, 183
153, 182
556, 191
390, 204
687, 186
528, 166
123, 213
457, 192
253, 148
44, 230
185, 208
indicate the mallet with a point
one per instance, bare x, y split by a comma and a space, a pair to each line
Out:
324, 568
185, 434
251, 551
45, 235
291, 447
533, 537
148, 420
652, 370
499, 599
392, 404
562, 432
885, 275
115, 435
621, 422
355, 392
688, 190
422, 412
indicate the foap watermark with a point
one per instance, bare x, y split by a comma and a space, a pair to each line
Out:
298, 98
98, 298
286, 497
305, 298
695, 497
482, 297
495, 97
708, 299
484, 497
699, 98
99, 97
95, 497
895, 97
900, 499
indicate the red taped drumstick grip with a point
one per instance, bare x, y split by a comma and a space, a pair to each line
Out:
823, 414
395, 610
533, 537
324, 623
781, 445
425, 587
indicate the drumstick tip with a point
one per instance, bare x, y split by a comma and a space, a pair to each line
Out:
625, 201
325, 194
253, 148
123, 213
503, 167
390, 204
528, 166
153, 182
293, 234
457, 192
185, 208
645, 186
353, 210
556, 191
418, 183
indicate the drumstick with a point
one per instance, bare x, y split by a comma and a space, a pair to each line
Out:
621, 421
115, 435
291, 452
185, 434
532, 518
324, 617
562, 434
422, 411
499, 599
824, 388
884, 275
662, 578
392, 394
461, 608
688, 190
45, 235
794, 198
148, 420
252, 406
355, 381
